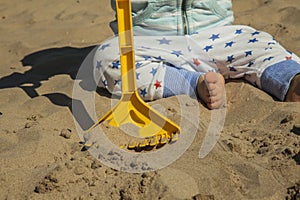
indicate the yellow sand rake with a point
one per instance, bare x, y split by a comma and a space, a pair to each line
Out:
154, 128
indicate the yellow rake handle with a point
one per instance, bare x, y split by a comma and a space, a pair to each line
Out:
126, 46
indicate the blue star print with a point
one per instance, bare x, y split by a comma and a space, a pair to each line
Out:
138, 76
115, 65
99, 64
248, 53
153, 71
164, 41
147, 57
232, 69
229, 44
117, 82
269, 58
104, 46
239, 31
159, 58
214, 37
250, 63
253, 40
255, 33
270, 43
177, 53
230, 58
143, 92
104, 82
138, 64
207, 48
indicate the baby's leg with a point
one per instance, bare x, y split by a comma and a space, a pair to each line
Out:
293, 94
156, 74
209, 87
241, 51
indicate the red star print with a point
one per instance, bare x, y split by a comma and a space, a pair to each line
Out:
157, 84
288, 57
196, 61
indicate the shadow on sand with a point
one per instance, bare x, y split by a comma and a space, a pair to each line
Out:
49, 63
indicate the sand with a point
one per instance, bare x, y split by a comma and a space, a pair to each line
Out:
43, 44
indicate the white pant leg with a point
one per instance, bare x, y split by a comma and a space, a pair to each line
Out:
241, 51
234, 51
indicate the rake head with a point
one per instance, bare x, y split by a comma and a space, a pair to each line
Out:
154, 128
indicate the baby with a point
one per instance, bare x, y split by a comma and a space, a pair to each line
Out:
189, 47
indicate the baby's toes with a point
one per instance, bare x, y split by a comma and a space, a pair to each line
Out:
215, 104
213, 93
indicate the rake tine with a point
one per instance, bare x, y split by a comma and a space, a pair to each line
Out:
174, 137
132, 145
153, 141
163, 139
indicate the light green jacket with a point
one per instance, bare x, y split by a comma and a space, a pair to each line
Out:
177, 17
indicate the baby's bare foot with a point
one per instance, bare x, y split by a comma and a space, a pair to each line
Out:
211, 89
293, 94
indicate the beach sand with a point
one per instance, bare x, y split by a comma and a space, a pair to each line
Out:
43, 44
